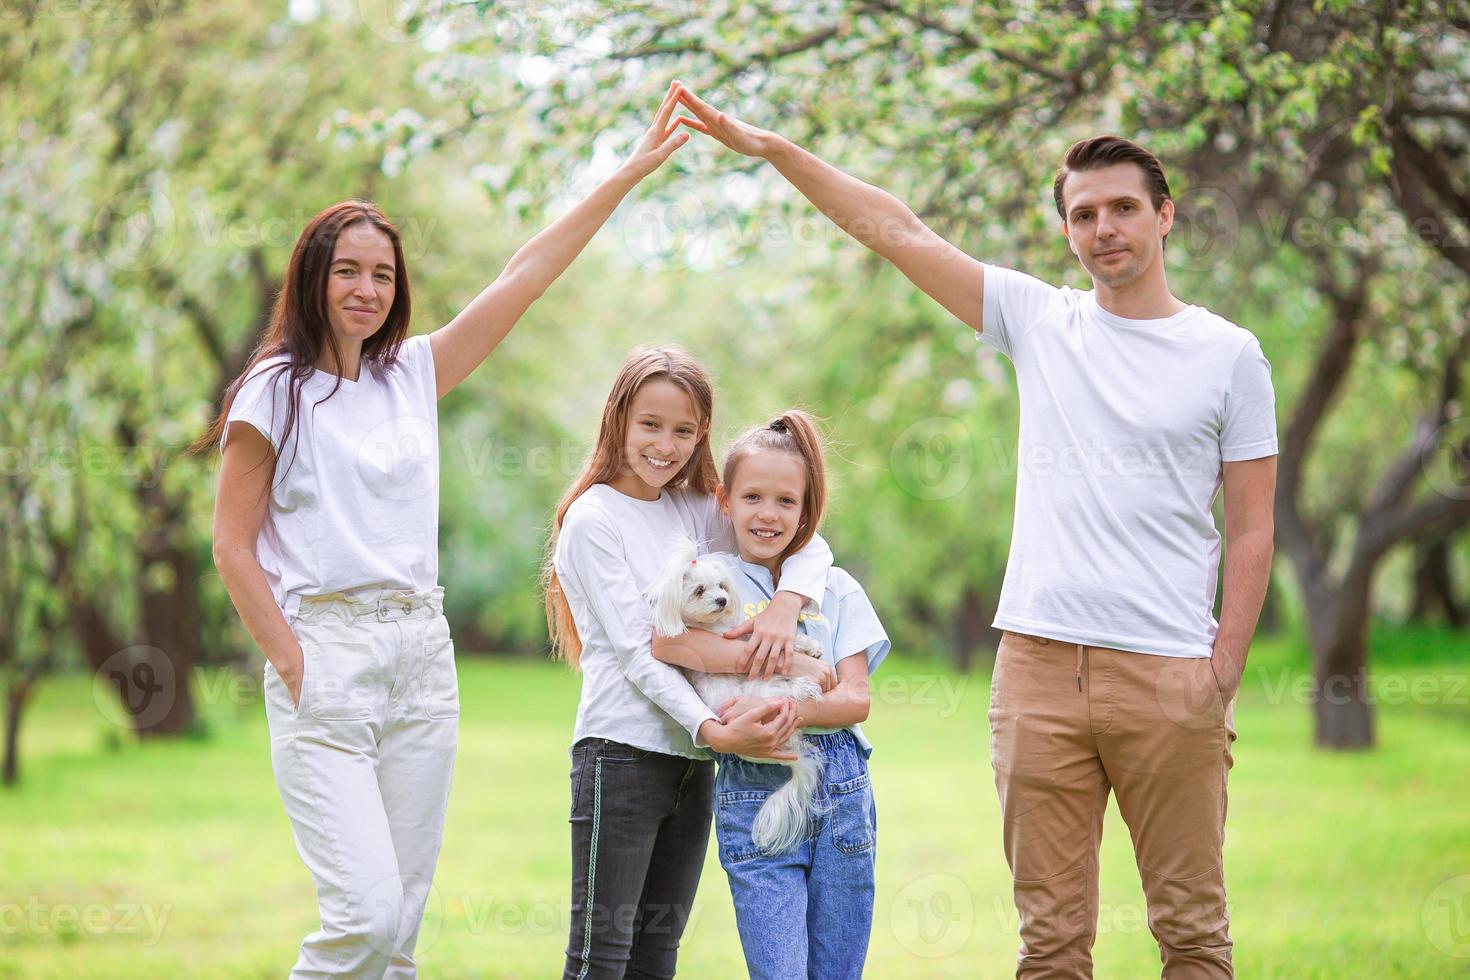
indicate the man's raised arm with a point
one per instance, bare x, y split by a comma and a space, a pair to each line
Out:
870, 214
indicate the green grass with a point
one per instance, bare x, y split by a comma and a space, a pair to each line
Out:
122, 860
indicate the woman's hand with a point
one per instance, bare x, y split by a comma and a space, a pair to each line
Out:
659, 141
772, 633
759, 730
291, 672
738, 136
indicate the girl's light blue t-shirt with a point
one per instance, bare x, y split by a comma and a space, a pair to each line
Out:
845, 625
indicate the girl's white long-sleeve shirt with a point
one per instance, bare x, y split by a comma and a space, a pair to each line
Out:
609, 554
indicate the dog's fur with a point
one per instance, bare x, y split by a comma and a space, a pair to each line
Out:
703, 595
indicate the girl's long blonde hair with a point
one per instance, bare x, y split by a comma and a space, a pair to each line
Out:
606, 462
794, 432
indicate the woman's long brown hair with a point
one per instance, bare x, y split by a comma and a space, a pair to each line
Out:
606, 462
300, 328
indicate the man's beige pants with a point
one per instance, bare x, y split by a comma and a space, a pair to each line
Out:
1068, 723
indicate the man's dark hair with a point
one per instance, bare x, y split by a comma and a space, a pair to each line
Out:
1098, 152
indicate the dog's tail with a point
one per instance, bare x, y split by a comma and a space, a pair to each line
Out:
781, 822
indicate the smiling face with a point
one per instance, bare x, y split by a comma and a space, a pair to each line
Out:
663, 431
1112, 226
763, 502
360, 283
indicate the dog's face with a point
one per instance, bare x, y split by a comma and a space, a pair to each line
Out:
694, 593
709, 596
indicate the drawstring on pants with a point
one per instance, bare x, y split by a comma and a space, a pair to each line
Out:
1080, 648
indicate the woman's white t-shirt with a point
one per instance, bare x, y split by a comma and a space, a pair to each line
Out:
355, 501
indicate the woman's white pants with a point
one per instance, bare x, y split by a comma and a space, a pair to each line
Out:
363, 765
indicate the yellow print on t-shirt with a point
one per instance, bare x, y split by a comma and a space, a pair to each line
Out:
751, 609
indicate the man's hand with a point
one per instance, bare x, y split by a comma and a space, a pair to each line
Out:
1228, 674
738, 136
772, 634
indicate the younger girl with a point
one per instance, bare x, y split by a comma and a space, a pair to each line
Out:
806, 912
642, 780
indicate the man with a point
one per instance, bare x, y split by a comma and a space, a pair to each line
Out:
1112, 675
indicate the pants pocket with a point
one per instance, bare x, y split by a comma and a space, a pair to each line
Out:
734, 818
854, 823
339, 679
278, 705
440, 680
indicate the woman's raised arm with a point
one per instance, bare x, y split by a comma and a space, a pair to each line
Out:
463, 344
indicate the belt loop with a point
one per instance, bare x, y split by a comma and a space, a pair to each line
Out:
1080, 648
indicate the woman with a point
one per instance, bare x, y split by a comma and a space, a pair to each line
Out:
325, 536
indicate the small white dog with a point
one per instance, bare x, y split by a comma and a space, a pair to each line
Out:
703, 595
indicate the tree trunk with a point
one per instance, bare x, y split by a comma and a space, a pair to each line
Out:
1434, 589
16, 698
15, 701
1338, 628
972, 627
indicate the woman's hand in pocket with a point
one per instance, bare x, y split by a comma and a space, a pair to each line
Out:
292, 670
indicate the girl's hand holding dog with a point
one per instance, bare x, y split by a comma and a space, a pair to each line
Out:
755, 727
814, 669
772, 634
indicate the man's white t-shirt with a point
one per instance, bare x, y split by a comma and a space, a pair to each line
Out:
355, 501
1124, 427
